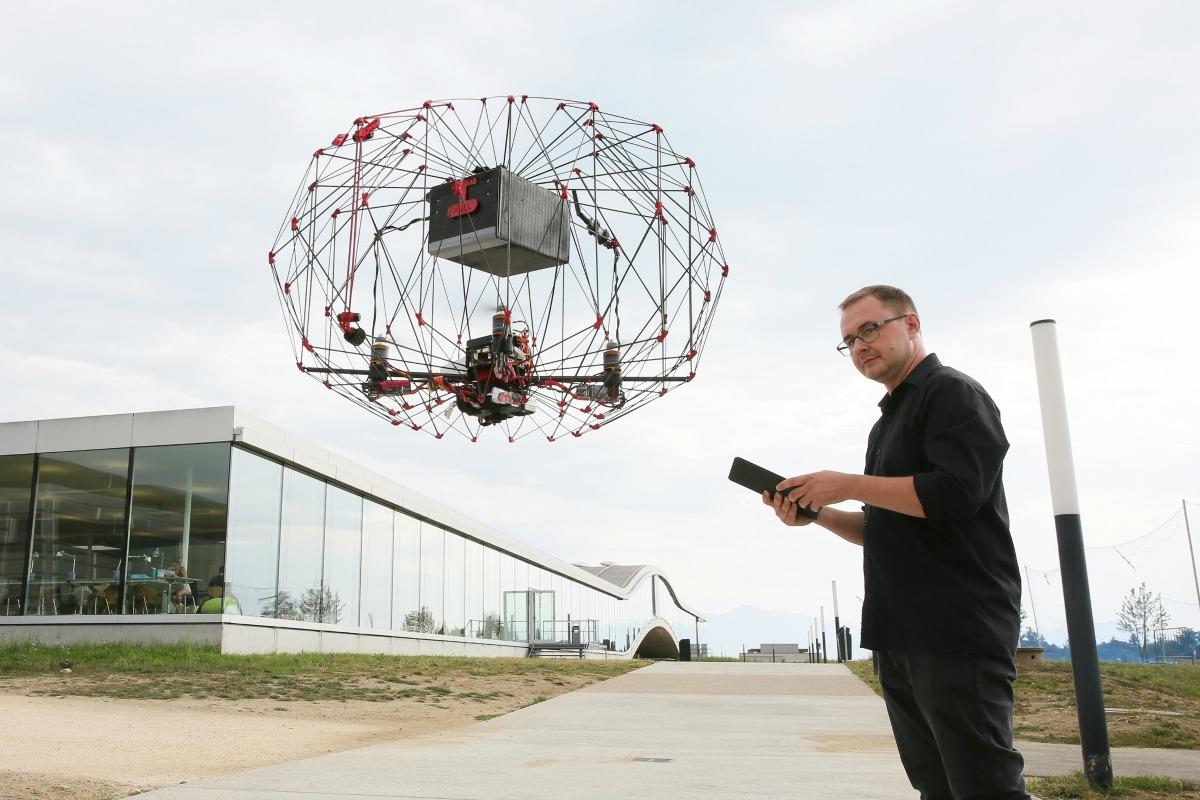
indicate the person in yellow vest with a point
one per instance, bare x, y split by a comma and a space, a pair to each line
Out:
217, 602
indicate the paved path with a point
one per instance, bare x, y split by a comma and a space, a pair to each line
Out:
710, 730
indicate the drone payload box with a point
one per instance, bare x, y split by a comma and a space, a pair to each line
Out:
499, 223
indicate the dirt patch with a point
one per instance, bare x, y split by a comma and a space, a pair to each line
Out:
68, 747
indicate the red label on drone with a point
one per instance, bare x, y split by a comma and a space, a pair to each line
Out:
465, 205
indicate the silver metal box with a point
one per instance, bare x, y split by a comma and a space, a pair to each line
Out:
499, 223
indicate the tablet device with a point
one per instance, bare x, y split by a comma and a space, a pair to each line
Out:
759, 480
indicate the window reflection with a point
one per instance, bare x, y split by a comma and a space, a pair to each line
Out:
177, 526
376, 611
406, 574
454, 585
79, 533
433, 543
252, 550
301, 548
473, 586
16, 489
493, 602
343, 549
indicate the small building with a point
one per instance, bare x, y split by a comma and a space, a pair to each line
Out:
776, 652
212, 526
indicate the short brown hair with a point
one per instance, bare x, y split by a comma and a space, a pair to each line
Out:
890, 296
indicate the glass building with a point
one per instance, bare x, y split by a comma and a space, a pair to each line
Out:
211, 525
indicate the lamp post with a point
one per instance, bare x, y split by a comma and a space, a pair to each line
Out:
1085, 664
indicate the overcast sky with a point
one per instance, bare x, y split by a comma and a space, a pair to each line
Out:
1001, 162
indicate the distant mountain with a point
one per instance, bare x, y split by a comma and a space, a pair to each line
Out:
726, 634
747, 626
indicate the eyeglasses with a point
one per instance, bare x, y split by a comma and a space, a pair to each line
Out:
867, 334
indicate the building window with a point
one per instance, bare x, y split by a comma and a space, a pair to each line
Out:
16, 490
252, 549
177, 526
343, 550
376, 611
79, 533
301, 548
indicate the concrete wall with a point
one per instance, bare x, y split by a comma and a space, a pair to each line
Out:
237, 634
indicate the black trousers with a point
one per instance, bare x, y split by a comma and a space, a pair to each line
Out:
952, 718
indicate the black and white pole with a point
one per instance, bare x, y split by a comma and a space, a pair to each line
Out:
1089, 699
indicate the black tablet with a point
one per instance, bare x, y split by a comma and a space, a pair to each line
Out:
759, 480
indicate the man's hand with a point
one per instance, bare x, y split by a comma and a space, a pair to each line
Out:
785, 509
818, 489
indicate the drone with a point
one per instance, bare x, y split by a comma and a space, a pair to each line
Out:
524, 264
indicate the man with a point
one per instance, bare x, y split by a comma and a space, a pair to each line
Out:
943, 589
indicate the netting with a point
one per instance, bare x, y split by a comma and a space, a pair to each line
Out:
1161, 558
533, 264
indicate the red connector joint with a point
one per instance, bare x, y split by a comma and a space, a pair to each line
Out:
725, 271
712, 234
689, 162
271, 257
428, 104
561, 107
599, 321
366, 131
339, 140
365, 197
662, 336
707, 296
512, 99
420, 319
593, 107
656, 128
307, 345
295, 224
691, 354
287, 288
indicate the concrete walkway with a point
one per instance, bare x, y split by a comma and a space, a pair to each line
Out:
670, 730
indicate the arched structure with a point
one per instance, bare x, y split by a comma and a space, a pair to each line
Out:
670, 620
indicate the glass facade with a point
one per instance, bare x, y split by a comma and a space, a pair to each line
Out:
177, 523
215, 528
16, 489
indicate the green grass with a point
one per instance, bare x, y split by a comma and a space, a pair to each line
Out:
1074, 787
169, 671
1045, 703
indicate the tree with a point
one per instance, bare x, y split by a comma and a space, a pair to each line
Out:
314, 605
420, 621
1141, 613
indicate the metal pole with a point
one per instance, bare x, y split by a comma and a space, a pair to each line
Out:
1085, 663
837, 626
1187, 526
824, 646
1036, 629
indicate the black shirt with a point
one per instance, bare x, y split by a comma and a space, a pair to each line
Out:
948, 583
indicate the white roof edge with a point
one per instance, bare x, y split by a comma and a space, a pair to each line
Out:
233, 424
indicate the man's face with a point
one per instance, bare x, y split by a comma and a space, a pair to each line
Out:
885, 359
